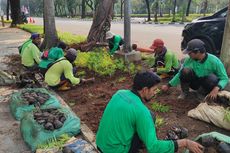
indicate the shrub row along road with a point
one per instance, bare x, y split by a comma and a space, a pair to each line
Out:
142, 34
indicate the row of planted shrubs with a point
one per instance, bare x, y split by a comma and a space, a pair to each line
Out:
97, 60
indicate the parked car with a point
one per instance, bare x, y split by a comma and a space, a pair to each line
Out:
209, 29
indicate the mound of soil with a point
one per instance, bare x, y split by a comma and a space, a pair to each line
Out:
89, 101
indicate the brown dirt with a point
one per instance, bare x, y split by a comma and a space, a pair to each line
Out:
89, 101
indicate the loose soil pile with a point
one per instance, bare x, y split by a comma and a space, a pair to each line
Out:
89, 101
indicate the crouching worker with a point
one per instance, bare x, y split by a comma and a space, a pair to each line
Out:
115, 42
127, 123
166, 63
30, 53
201, 71
51, 56
60, 74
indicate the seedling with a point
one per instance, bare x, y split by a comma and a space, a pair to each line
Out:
121, 79
158, 107
159, 121
227, 114
55, 143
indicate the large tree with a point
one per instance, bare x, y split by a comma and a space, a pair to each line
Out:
15, 12
188, 7
225, 50
148, 10
49, 25
101, 24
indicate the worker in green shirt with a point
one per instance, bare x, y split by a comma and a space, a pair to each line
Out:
166, 63
127, 123
200, 70
115, 41
51, 56
60, 75
30, 53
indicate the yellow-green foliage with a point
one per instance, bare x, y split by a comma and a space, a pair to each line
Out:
158, 107
32, 28
7, 21
159, 121
227, 115
69, 38
102, 63
55, 143
66, 37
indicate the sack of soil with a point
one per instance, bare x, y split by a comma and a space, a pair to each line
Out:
6, 78
28, 99
35, 133
213, 142
216, 113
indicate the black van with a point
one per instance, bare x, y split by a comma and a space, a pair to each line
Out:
209, 29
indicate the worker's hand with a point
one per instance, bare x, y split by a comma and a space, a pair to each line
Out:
194, 146
134, 46
165, 88
153, 69
213, 94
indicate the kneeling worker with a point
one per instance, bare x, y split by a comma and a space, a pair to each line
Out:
61, 73
127, 123
30, 53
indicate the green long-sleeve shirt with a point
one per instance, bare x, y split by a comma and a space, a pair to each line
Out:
114, 44
210, 65
53, 74
125, 115
30, 55
170, 61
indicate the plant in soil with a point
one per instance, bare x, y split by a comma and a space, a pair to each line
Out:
159, 121
227, 114
50, 119
158, 107
55, 143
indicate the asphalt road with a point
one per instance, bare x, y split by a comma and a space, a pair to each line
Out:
141, 34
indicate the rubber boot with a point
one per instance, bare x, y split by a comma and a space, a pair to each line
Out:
185, 91
64, 87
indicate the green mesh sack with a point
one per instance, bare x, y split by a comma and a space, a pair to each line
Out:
35, 134
19, 105
218, 136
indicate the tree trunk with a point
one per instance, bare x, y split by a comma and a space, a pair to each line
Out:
148, 10
7, 10
188, 7
225, 50
174, 11
49, 25
205, 6
83, 9
15, 12
122, 2
101, 24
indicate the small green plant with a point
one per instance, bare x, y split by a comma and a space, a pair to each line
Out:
227, 115
55, 143
158, 107
159, 121
121, 79
81, 73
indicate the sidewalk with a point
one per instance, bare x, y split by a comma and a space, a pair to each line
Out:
10, 135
